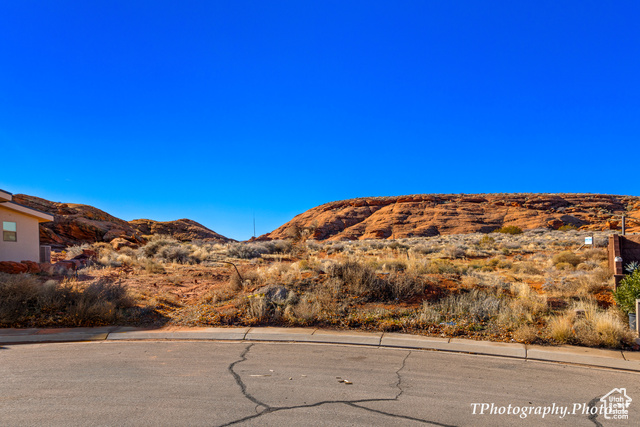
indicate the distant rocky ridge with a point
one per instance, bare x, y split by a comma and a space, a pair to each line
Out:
75, 224
435, 214
181, 229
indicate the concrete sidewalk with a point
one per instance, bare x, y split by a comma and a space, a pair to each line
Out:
615, 359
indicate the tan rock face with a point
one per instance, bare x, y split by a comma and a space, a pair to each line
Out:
181, 229
429, 215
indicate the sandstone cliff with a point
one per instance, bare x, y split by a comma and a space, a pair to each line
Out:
434, 214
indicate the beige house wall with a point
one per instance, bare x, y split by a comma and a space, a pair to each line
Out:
27, 246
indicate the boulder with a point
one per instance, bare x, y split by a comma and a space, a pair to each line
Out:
65, 267
32, 267
46, 268
12, 267
119, 243
275, 293
555, 223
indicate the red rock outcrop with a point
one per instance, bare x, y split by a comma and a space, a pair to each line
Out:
12, 267
75, 224
434, 214
181, 229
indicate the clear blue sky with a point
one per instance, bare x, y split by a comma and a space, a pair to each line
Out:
214, 110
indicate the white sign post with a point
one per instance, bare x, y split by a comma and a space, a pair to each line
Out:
588, 240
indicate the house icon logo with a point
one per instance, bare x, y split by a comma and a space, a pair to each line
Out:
616, 404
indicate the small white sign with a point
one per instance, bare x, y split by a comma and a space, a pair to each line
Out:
588, 240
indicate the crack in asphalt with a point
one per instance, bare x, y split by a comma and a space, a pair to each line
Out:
592, 417
353, 403
241, 384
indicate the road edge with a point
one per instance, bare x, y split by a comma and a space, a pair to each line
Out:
584, 356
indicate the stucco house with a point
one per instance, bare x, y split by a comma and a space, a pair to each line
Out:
20, 239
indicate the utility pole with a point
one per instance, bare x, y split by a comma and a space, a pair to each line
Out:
254, 224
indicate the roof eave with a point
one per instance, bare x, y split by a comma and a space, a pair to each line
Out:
40, 216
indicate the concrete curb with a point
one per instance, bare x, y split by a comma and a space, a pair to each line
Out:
613, 359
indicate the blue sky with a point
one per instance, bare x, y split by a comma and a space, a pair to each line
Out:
216, 110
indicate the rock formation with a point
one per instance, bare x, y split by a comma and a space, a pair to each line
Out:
75, 224
181, 229
434, 214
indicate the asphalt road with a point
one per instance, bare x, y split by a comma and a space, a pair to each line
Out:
220, 383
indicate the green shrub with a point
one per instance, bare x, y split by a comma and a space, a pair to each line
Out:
509, 229
627, 293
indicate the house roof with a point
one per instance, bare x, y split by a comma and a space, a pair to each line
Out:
6, 202
5, 196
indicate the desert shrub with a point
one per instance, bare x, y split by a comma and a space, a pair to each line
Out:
256, 249
285, 246
566, 257
235, 282
526, 334
477, 305
584, 323
628, 291
423, 249
258, 307
306, 309
567, 227
155, 244
359, 279
454, 251
526, 267
429, 314
313, 246
109, 259
486, 241
174, 253
560, 328
395, 245
152, 267
564, 266
509, 229
404, 286
394, 265
335, 248
25, 301
441, 266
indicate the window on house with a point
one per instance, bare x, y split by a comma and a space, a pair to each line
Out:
9, 233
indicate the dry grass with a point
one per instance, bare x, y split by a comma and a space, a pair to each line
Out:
26, 300
521, 287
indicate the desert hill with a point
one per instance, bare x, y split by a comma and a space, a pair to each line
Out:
76, 223
181, 229
435, 214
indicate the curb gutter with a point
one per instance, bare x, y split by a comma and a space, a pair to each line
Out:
614, 359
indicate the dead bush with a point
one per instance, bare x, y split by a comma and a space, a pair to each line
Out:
26, 301
566, 257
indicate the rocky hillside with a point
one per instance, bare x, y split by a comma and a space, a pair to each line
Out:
181, 229
74, 224
434, 214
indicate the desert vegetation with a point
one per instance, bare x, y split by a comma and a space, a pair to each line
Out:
537, 286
